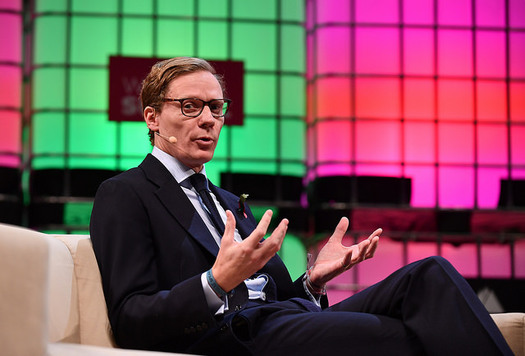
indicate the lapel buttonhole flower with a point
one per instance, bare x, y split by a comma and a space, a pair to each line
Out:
242, 208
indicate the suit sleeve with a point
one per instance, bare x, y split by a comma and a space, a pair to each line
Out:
142, 315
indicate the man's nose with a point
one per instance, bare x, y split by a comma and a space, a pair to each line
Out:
206, 116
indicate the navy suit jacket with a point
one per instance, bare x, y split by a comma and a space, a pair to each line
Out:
152, 247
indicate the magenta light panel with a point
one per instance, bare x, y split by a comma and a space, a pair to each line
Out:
431, 90
11, 83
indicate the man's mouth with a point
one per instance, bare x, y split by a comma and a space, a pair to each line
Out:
204, 139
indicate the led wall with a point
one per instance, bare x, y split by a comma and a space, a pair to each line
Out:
72, 136
11, 79
11, 24
73, 41
431, 90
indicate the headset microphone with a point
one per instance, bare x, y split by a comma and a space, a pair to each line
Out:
171, 139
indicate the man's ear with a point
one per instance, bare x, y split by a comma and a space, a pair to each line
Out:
151, 118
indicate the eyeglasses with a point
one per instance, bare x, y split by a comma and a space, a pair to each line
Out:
192, 107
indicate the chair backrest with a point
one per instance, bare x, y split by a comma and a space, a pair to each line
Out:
94, 327
23, 291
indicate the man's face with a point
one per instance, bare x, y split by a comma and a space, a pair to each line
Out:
196, 136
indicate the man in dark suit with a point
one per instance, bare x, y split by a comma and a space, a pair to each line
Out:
184, 269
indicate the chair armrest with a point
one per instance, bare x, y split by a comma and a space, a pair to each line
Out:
64, 349
512, 326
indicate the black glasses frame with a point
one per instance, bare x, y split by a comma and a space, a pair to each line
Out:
204, 103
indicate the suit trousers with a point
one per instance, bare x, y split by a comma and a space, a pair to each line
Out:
423, 308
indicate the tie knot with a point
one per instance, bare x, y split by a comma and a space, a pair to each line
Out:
199, 182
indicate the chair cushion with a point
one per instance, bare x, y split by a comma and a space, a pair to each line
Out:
23, 287
94, 323
512, 326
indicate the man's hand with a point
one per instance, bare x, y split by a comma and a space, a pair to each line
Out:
335, 258
237, 261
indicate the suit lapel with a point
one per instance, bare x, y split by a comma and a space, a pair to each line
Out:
177, 203
245, 225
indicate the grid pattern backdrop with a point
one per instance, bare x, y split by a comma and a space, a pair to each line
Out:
70, 143
424, 100
431, 90
405, 114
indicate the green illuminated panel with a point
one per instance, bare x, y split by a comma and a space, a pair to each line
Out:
48, 47
93, 40
292, 95
254, 9
77, 213
97, 6
137, 37
292, 55
213, 40
252, 166
51, 5
144, 8
214, 169
92, 133
48, 88
293, 169
89, 88
293, 139
135, 139
293, 10
48, 138
256, 45
259, 94
213, 8
175, 7
175, 38
293, 254
255, 139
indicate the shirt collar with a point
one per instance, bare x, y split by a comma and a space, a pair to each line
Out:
178, 170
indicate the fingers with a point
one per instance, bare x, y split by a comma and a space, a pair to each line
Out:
374, 240
259, 232
229, 229
340, 230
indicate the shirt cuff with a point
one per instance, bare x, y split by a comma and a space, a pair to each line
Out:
216, 305
314, 298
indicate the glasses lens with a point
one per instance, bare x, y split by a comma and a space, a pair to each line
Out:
218, 107
192, 107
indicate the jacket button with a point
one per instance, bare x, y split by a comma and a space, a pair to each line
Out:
238, 307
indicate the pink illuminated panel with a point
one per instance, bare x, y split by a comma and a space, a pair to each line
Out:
495, 261
378, 141
490, 13
420, 142
418, 51
440, 99
463, 258
455, 99
332, 97
455, 53
333, 50
492, 100
418, 12
334, 141
377, 50
419, 98
454, 12
11, 83
377, 11
378, 97
456, 187
490, 54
